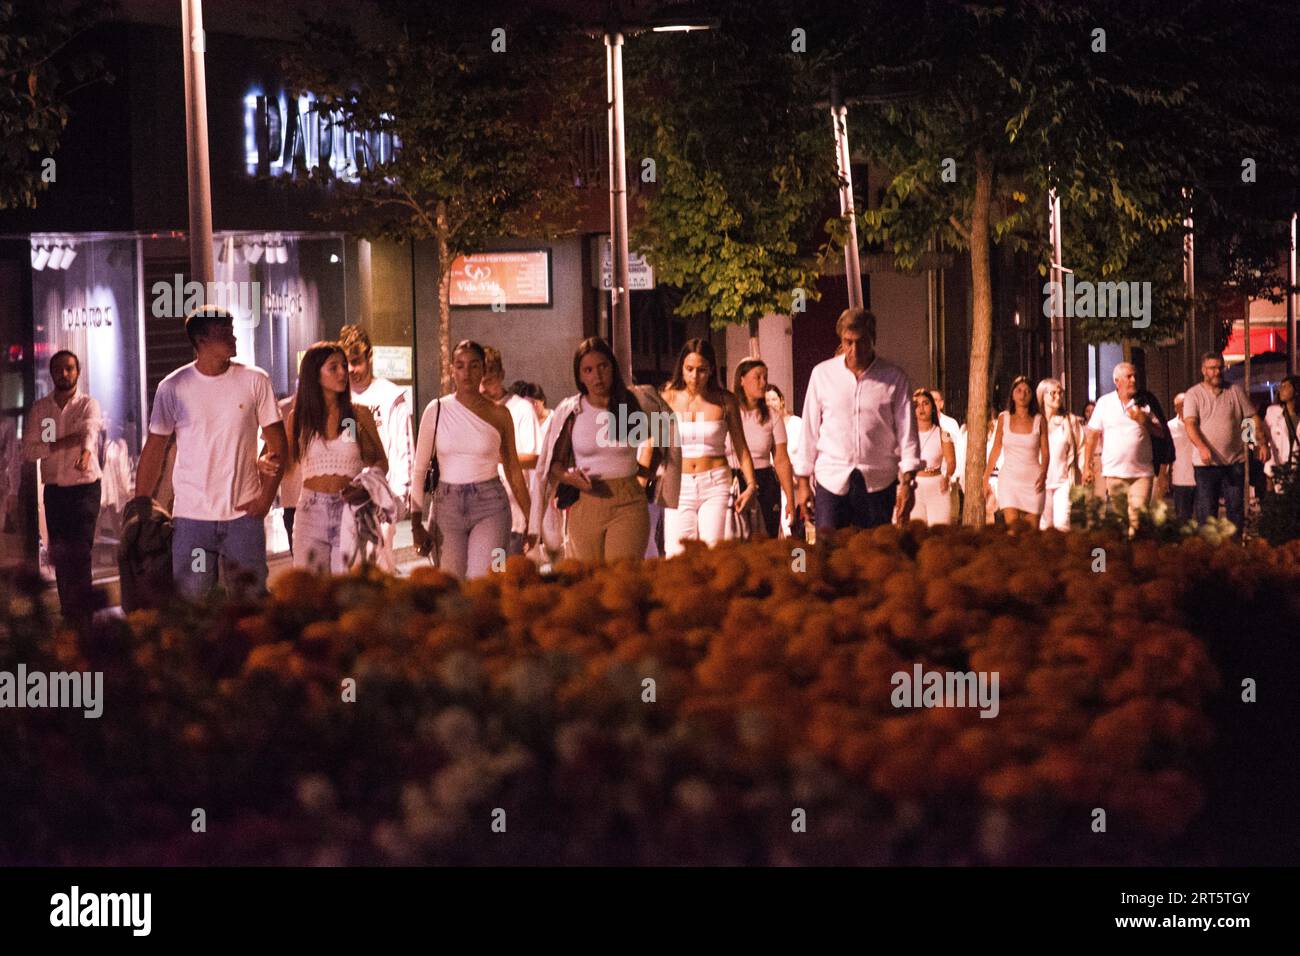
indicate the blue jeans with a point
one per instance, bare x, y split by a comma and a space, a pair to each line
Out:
238, 545
471, 522
856, 508
317, 530
1220, 481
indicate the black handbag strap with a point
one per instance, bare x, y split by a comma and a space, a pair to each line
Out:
436, 416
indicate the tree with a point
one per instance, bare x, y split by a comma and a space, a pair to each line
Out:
1111, 103
481, 103
744, 165
36, 79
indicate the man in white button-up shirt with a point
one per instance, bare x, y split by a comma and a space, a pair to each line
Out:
62, 433
859, 439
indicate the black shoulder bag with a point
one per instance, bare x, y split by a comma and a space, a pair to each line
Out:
431, 475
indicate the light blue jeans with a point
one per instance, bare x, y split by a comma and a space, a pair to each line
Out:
317, 530
237, 546
471, 523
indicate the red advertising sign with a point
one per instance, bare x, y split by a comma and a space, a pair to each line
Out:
487, 279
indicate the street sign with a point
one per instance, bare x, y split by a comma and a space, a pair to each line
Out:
640, 274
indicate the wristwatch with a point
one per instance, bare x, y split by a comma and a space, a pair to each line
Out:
908, 478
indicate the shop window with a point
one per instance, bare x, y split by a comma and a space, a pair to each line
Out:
87, 305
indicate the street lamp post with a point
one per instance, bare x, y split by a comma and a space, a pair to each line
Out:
852, 266
196, 142
1058, 344
1292, 327
620, 297
620, 319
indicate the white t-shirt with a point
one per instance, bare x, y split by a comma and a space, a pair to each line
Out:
527, 432
215, 419
1184, 467
387, 404
1126, 451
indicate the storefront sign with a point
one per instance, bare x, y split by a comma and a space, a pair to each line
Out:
393, 362
294, 135
90, 317
284, 303
500, 279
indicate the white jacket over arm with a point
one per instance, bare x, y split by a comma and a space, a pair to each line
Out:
669, 458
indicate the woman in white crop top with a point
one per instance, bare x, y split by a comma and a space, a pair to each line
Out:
469, 514
931, 503
765, 435
707, 415
330, 442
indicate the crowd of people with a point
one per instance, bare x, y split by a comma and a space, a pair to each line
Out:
616, 470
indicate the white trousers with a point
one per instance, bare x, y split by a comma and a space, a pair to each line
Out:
931, 506
701, 512
1056, 508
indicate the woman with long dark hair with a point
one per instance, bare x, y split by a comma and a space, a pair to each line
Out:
932, 502
765, 435
469, 434
1022, 479
604, 445
707, 415
330, 441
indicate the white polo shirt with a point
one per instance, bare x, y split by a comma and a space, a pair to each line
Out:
1126, 448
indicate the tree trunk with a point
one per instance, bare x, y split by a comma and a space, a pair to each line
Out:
753, 339
444, 299
977, 406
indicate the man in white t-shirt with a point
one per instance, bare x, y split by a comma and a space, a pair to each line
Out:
1183, 480
392, 413
1126, 453
524, 414
215, 406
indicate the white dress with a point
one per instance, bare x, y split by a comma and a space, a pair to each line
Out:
1020, 469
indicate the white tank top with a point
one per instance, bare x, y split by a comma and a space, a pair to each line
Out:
931, 447
703, 439
594, 448
469, 448
334, 456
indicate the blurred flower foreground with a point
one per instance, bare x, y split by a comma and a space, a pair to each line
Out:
722, 708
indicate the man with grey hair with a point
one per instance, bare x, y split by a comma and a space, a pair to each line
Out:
1125, 428
1213, 415
860, 441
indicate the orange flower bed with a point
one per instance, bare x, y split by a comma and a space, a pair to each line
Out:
772, 693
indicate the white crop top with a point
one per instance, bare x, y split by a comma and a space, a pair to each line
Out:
931, 447
595, 448
335, 456
703, 439
469, 448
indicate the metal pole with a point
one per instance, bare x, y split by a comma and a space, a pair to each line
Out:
1292, 366
1189, 282
196, 142
620, 302
1059, 369
1245, 476
852, 267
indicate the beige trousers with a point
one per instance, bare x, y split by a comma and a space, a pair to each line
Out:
610, 522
